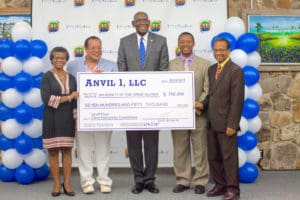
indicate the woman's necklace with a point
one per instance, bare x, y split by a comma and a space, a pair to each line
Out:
62, 77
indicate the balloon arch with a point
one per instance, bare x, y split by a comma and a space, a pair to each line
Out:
23, 159
243, 48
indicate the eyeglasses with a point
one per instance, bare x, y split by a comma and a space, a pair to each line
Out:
95, 48
141, 20
59, 58
220, 50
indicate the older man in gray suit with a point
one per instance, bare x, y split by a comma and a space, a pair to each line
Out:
143, 51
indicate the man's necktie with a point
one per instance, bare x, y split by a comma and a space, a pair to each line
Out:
142, 52
186, 65
218, 72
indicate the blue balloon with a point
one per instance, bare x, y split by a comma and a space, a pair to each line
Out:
5, 82
248, 42
22, 49
38, 142
23, 82
6, 48
38, 112
248, 173
37, 80
38, 48
23, 113
250, 109
24, 174
6, 175
247, 141
228, 36
5, 143
5, 112
251, 75
23, 144
42, 173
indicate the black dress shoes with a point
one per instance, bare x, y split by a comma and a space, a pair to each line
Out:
55, 194
151, 187
68, 193
216, 191
137, 188
231, 196
199, 189
180, 188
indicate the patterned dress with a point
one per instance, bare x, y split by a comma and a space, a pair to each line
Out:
58, 121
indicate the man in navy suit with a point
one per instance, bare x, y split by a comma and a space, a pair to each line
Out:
130, 58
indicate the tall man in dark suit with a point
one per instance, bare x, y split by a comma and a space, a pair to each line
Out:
224, 104
143, 51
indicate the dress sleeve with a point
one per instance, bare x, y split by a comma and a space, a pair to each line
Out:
48, 98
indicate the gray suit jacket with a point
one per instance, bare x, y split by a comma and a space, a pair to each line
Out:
200, 67
226, 97
157, 57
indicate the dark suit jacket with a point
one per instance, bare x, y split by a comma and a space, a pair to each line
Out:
226, 97
157, 57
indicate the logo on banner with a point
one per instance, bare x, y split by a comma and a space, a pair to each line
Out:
53, 26
205, 25
177, 51
155, 25
112, 52
104, 26
179, 2
129, 3
78, 3
78, 51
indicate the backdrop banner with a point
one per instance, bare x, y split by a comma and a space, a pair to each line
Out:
69, 22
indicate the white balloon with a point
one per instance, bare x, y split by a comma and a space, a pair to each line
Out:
33, 66
34, 128
255, 92
242, 157
11, 159
12, 98
253, 155
246, 92
11, 128
11, 66
254, 124
36, 158
33, 98
239, 57
21, 30
254, 59
243, 126
235, 26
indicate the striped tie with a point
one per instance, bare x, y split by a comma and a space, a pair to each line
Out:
142, 52
218, 72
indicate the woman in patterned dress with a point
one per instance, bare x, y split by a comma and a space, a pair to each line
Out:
58, 91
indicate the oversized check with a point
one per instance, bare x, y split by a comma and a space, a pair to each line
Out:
136, 101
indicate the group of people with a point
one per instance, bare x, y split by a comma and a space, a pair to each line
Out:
219, 96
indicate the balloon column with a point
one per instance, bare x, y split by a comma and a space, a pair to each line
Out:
23, 159
243, 53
